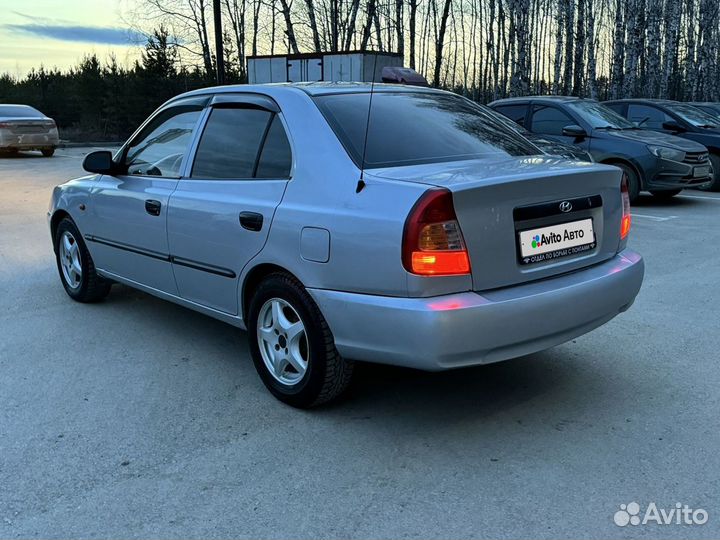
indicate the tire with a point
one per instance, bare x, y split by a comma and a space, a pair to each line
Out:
48, 152
277, 306
666, 194
715, 185
633, 181
71, 252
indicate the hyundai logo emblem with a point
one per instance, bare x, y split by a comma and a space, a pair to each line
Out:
565, 206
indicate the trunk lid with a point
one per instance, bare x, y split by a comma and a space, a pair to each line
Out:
26, 126
497, 199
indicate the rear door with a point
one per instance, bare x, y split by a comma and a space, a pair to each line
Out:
127, 230
220, 213
515, 112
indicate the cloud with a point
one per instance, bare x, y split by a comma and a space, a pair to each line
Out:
85, 34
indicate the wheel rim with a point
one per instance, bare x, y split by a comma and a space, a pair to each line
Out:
70, 260
283, 341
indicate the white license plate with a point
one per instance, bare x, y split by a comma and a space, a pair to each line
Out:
555, 241
701, 172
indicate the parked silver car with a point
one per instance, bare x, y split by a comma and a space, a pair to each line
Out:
25, 128
437, 239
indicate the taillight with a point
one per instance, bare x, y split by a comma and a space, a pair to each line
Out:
433, 244
49, 123
626, 218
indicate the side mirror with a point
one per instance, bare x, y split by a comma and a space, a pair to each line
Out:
672, 125
574, 131
99, 162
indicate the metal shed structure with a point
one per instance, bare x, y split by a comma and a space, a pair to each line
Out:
349, 66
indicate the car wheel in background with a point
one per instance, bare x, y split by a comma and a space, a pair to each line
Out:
76, 267
48, 152
667, 194
633, 181
292, 346
715, 185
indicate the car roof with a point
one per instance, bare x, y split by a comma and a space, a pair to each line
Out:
313, 88
641, 100
546, 99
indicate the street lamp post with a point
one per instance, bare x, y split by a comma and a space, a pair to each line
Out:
219, 55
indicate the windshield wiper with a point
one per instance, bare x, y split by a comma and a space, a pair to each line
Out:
614, 128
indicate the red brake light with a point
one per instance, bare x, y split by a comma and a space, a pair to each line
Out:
433, 244
626, 222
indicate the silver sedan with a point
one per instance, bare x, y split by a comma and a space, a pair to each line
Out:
24, 128
403, 226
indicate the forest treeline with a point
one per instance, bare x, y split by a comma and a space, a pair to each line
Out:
484, 49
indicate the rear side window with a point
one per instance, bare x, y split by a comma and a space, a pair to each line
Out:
242, 143
516, 113
407, 128
275, 158
549, 120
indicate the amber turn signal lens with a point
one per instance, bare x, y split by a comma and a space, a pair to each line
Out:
439, 263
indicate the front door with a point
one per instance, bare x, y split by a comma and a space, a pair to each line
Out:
128, 234
220, 215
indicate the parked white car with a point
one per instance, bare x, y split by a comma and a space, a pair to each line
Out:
24, 128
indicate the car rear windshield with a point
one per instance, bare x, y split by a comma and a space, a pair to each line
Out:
19, 111
410, 128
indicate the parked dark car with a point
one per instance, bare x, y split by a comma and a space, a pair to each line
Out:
549, 146
709, 107
675, 118
659, 163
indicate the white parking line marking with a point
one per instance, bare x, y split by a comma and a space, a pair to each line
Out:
716, 199
654, 218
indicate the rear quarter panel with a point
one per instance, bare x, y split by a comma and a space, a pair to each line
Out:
365, 228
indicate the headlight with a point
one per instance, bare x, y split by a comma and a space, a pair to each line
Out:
667, 153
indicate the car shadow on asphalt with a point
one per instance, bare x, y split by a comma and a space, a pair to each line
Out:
650, 201
551, 380
21, 155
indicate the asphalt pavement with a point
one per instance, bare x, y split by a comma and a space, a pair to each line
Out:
137, 418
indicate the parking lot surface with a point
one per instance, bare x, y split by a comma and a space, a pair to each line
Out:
138, 418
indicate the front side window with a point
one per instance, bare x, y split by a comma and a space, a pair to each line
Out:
161, 146
549, 120
408, 128
598, 115
693, 115
647, 117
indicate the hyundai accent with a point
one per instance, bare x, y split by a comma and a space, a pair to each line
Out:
341, 223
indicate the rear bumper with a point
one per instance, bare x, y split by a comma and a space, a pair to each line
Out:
478, 328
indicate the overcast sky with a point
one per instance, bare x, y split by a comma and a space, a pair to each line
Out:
59, 32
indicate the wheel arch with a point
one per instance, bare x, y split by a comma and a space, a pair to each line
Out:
253, 278
55, 220
627, 163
